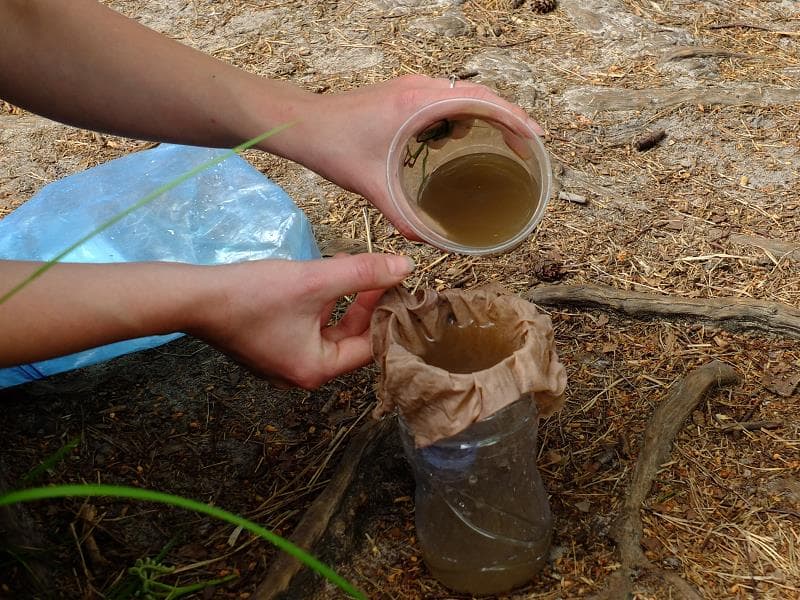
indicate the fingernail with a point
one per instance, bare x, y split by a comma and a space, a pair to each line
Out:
401, 265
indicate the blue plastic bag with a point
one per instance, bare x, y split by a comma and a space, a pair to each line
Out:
228, 213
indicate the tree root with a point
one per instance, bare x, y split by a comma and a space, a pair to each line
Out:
735, 314
664, 425
317, 519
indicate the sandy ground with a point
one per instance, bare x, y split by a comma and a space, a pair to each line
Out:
712, 211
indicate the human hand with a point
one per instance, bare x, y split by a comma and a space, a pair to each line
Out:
272, 315
346, 137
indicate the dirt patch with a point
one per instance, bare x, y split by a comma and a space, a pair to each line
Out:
710, 211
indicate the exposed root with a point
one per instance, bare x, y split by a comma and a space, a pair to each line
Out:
317, 518
664, 425
736, 314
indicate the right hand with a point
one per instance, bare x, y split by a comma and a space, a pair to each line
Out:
273, 315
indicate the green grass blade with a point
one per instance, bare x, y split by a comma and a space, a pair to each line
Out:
116, 491
139, 204
51, 461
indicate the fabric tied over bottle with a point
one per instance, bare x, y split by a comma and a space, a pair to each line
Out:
419, 341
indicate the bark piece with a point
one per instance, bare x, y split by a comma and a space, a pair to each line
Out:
649, 140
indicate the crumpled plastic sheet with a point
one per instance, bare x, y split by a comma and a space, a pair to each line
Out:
228, 213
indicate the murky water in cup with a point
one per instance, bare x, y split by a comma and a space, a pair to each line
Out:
469, 176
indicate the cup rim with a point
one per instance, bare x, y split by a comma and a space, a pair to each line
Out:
441, 109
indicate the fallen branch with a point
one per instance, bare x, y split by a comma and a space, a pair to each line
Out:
751, 426
592, 99
736, 314
742, 25
701, 52
739, 25
664, 425
776, 250
316, 519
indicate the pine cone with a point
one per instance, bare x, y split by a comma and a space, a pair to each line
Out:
543, 6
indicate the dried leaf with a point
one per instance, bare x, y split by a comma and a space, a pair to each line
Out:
782, 384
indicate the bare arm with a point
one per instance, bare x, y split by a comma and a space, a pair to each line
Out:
270, 315
79, 62
75, 306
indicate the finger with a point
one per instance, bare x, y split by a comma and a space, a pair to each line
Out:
461, 128
386, 206
519, 146
402, 225
536, 127
327, 310
347, 354
357, 318
339, 277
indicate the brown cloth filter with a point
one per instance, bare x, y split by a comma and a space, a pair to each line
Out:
438, 403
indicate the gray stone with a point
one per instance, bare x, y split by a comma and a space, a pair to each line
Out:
622, 30
346, 60
451, 24
408, 7
501, 65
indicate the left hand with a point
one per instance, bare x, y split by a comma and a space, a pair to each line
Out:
346, 137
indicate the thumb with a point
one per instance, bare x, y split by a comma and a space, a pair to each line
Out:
363, 272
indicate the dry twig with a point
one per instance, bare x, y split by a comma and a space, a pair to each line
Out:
700, 52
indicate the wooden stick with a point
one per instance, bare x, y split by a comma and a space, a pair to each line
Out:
751, 426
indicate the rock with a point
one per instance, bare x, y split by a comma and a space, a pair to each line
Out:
409, 7
501, 65
570, 197
450, 24
612, 21
347, 60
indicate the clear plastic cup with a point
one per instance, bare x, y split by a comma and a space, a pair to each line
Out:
444, 131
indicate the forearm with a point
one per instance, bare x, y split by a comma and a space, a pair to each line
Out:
78, 306
81, 63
